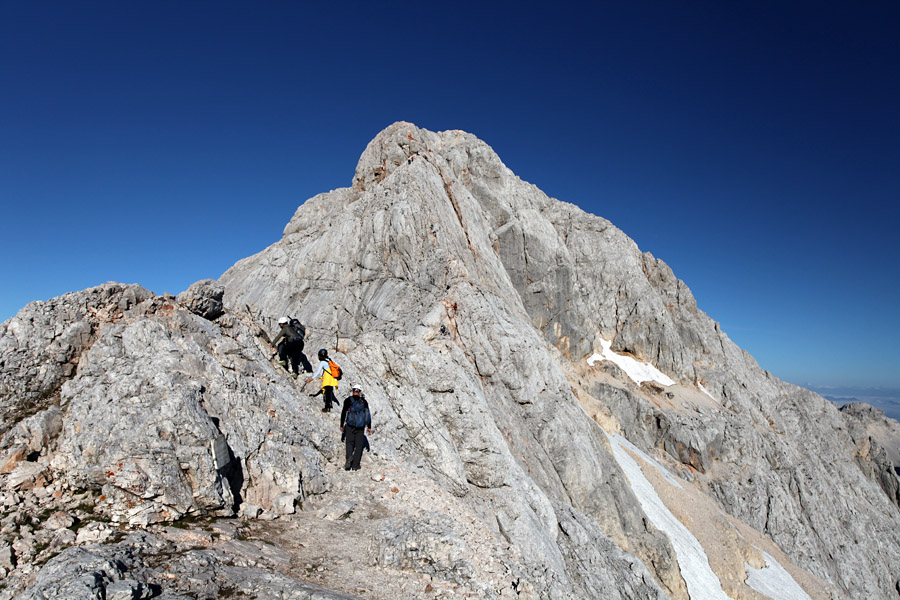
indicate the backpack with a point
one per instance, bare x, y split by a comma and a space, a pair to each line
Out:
298, 327
356, 414
334, 370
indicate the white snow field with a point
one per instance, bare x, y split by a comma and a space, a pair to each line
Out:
638, 371
702, 582
773, 581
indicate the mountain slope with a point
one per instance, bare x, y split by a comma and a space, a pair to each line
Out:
467, 304
441, 211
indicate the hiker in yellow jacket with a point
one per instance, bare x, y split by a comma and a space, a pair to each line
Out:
329, 372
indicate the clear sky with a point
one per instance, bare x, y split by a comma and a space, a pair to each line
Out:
755, 147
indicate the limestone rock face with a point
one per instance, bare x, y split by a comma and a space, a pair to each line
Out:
877, 440
204, 298
504, 463
885, 431
41, 346
435, 231
138, 420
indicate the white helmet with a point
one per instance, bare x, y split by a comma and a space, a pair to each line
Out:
283, 321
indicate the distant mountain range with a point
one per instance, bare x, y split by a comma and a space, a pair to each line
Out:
887, 399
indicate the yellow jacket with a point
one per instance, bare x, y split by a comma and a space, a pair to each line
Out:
325, 374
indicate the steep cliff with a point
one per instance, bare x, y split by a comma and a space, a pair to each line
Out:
498, 334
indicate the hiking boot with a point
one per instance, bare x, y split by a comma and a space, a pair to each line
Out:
294, 375
283, 363
346, 466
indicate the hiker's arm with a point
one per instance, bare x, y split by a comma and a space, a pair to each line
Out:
318, 373
344, 412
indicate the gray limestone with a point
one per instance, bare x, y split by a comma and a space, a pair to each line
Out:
42, 345
204, 298
465, 302
883, 430
149, 567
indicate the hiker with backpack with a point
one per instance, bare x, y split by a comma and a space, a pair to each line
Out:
289, 343
330, 372
355, 419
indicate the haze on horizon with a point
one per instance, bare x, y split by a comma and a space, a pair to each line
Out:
752, 148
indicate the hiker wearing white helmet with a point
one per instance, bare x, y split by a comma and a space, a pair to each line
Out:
355, 418
289, 343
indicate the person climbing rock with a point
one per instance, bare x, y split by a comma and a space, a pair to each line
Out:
289, 343
355, 418
329, 371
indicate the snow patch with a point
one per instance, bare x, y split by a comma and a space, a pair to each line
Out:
702, 582
703, 389
649, 460
773, 581
638, 371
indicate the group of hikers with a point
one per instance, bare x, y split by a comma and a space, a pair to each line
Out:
356, 420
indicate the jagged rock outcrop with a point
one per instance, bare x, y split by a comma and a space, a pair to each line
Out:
884, 430
877, 440
204, 298
143, 411
41, 352
467, 304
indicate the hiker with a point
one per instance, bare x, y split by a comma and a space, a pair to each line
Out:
289, 343
355, 417
329, 371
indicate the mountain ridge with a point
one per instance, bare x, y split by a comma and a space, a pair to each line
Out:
435, 232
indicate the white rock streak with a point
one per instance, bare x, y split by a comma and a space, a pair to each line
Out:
702, 583
705, 391
638, 371
773, 581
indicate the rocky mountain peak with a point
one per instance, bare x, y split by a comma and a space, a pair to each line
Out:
553, 418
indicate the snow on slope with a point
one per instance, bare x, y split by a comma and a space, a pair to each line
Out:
638, 371
702, 583
773, 581
635, 450
705, 391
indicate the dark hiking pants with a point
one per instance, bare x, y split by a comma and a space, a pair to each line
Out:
293, 352
328, 392
354, 439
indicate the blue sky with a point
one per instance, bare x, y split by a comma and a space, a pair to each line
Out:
754, 147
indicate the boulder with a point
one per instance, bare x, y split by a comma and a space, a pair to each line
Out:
14, 456
27, 475
204, 298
